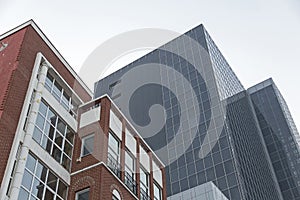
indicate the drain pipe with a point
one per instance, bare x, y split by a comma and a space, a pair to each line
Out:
21, 162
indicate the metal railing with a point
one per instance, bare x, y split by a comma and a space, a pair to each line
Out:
114, 165
144, 195
130, 182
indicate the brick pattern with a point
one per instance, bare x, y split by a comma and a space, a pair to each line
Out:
16, 65
101, 183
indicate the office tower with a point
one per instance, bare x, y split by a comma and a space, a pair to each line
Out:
58, 143
209, 131
280, 135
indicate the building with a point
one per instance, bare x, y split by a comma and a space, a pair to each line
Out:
213, 130
58, 142
280, 135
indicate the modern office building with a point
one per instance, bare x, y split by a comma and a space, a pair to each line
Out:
58, 142
280, 135
211, 130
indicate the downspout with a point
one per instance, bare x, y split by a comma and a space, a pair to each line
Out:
21, 162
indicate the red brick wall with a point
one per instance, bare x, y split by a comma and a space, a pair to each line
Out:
101, 183
16, 64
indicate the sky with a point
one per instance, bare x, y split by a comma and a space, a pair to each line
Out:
259, 38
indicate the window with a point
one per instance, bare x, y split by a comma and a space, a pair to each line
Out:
113, 154
116, 195
83, 194
61, 95
113, 147
54, 135
144, 184
130, 171
157, 192
87, 145
41, 183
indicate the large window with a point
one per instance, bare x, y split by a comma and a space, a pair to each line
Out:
54, 135
61, 95
130, 171
113, 161
87, 145
41, 183
144, 184
83, 194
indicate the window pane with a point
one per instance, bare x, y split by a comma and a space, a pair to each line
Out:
27, 179
61, 126
23, 195
41, 172
68, 148
37, 188
62, 190
66, 162
30, 163
56, 153
70, 135
43, 109
51, 181
82, 195
88, 145
37, 135
40, 121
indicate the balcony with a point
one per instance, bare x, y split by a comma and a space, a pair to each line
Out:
144, 195
130, 182
114, 165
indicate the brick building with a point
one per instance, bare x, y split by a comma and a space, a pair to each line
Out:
58, 142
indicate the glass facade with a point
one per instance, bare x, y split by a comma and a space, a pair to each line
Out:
41, 183
280, 135
52, 133
205, 134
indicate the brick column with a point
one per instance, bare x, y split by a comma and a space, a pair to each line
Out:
151, 181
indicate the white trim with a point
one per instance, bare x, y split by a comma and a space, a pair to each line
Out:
87, 168
19, 135
51, 46
50, 162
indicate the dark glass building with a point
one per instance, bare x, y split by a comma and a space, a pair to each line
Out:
280, 135
196, 115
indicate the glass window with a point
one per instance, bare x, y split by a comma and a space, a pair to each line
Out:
157, 192
130, 171
41, 183
60, 94
83, 195
87, 145
54, 135
116, 195
113, 147
144, 184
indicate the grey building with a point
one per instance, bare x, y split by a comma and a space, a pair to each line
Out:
280, 135
197, 116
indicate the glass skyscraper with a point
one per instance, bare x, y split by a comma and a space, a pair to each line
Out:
190, 107
280, 134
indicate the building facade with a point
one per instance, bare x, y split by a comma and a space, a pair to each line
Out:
211, 132
58, 143
280, 135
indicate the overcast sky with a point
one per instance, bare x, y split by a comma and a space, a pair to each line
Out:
259, 38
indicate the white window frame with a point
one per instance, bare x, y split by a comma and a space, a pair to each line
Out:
83, 142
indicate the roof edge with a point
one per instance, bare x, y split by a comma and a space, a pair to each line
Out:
52, 47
